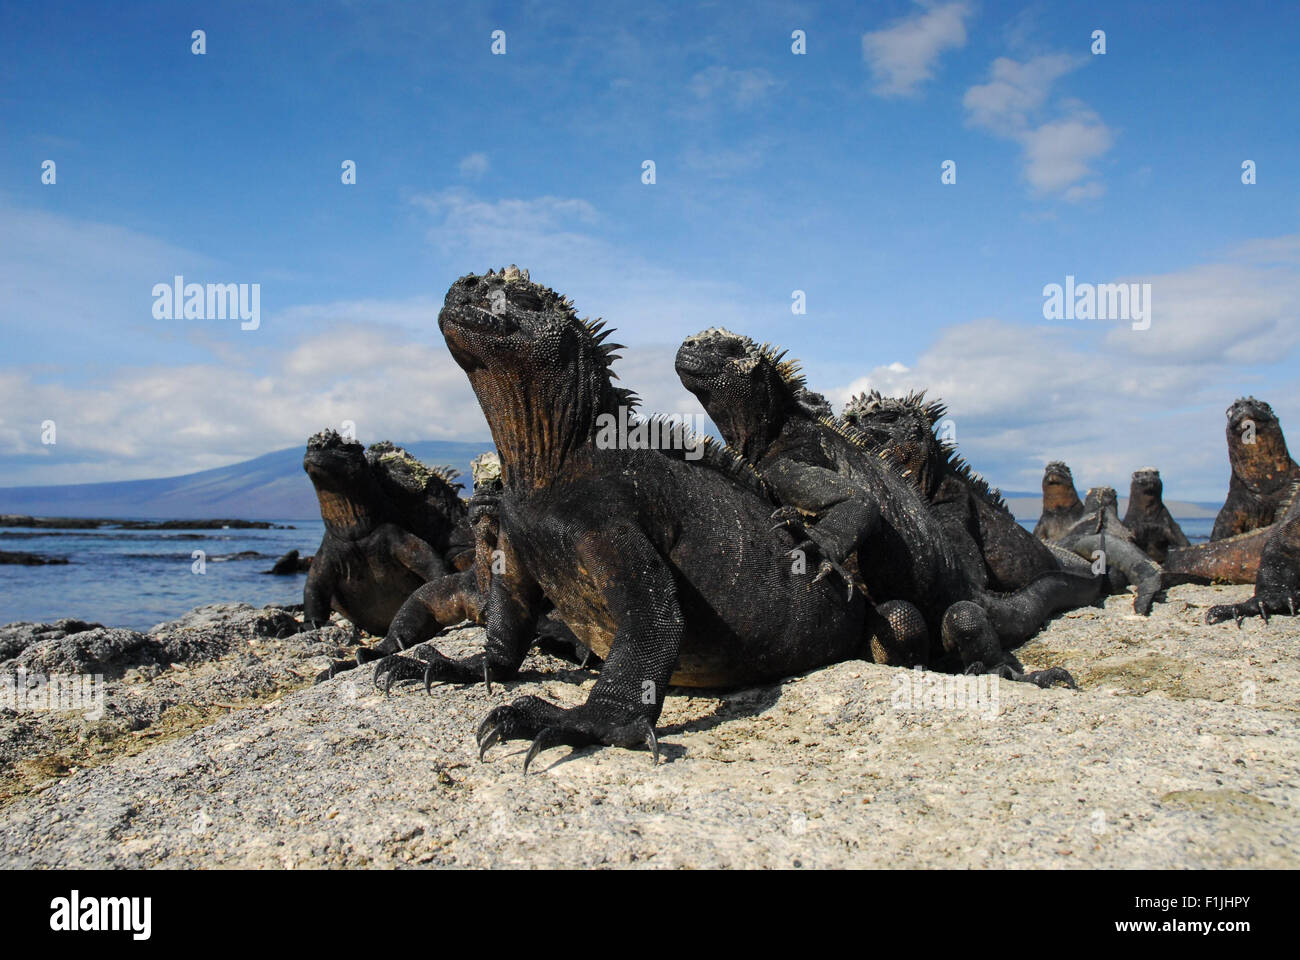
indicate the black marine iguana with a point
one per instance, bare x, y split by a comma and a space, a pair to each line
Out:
664, 565
861, 507
381, 541
1100, 533
996, 551
1155, 530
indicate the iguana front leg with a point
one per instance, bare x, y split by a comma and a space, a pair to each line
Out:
968, 632
845, 515
418, 557
318, 592
514, 605
637, 587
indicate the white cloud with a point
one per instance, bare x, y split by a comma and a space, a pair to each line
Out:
902, 56
740, 88
1059, 144
1023, 394
473, 167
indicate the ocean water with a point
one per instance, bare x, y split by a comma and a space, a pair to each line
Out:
1196, 529
139, 578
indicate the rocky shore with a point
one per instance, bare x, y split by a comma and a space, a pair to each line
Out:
212, 747
95, 523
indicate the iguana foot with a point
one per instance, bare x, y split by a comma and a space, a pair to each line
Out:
550, 726
1262, 607
395, 667
1147, 590
334, 669
790, 519
1040, 678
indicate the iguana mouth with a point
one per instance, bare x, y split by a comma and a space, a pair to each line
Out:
694, 364
477, 319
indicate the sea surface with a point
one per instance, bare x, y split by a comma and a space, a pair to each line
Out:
139, 578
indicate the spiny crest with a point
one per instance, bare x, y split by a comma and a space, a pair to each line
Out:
957, 465
398, 466
850, 433
714, 455
1250, 407
788, 370
865, 404
486, 469
329, 439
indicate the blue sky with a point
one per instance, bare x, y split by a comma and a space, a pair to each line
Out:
775, 172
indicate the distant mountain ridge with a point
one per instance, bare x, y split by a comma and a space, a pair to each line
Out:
270, 487
274, 487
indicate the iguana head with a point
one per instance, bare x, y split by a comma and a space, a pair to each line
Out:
541, 375
348, 496
903, 429
748, 390
1256, 446
1100, 498
1058, 488
1146, 492
426, 499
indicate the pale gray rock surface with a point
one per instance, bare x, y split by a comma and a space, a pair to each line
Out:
1181, 750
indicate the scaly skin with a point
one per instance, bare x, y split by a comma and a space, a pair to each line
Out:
1100, 530
863, 510
665, 567
1263, 474
392, 525
1277, 587
996, 551
1155, 530
1230, 560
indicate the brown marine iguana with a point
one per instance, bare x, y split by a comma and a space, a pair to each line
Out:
374, 553
997, 552
1062, 507
850, 503
1254, 496
1277, 587
1263, 473
661, 560
1155, 531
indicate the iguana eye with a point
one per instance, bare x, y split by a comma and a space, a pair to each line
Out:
523, 298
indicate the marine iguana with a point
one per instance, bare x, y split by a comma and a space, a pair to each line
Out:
1263, 473
1277, 588
370, 560
1154, 528
664, 565
1099, 532
996, 551
1062, 507
847, 502
1254, 496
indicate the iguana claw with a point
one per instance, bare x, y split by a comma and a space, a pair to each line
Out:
488, 740
546, 738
